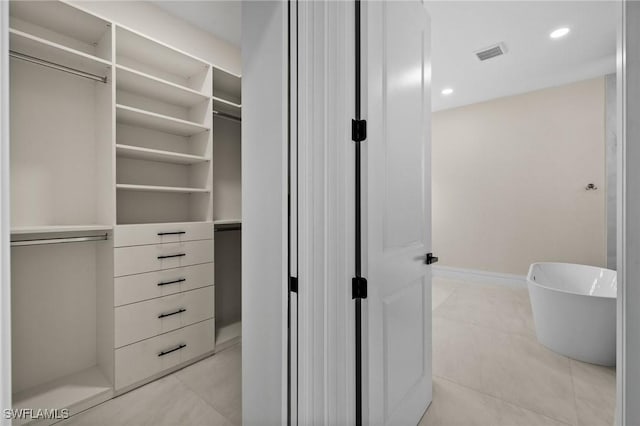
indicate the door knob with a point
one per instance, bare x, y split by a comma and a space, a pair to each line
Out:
430, 258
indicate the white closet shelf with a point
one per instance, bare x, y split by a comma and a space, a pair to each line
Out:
57, 229
157, 54
139, 153
154, 188
86, 386
153, 87
61, 18
31, 45
151, 120
226, 102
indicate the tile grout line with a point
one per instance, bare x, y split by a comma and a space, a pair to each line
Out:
444, 300
193, 391
434, 314
531, 336
465, 323
502, 400
573, 387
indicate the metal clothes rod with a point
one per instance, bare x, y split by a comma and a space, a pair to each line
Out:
232, 228
58, 67
42, 241
227, 116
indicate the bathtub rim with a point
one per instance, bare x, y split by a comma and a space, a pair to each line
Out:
546, 287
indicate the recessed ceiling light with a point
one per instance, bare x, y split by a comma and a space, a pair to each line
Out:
447, 91
560, 32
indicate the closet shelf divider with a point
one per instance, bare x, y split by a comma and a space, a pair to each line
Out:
227, 102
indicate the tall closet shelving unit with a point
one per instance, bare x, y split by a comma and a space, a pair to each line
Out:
227, 107
114, 205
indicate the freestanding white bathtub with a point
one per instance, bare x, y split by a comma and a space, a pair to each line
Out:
574, 310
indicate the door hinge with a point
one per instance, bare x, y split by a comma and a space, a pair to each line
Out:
358, 130
293, 284
358, 288
430, 258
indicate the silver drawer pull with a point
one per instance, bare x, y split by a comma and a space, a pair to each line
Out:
168, 314
179, 280
160, 234
167, 256
177, 348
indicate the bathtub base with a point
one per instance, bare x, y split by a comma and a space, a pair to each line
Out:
582, 327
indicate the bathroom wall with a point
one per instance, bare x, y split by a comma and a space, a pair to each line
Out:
509, 178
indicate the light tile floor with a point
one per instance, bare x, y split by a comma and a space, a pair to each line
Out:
207, 393
489, 369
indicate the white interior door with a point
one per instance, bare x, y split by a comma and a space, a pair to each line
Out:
398, 211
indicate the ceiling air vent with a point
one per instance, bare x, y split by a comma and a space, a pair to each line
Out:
491, 52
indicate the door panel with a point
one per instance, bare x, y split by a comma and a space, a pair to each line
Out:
398, 191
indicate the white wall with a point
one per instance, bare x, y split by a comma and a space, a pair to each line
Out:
509, 179
159, 24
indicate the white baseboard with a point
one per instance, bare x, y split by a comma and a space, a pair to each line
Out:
477, 276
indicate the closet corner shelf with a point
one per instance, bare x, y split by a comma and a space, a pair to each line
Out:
31, 45
151, 120
57, 229
86, 386
156, 54
154, 188
147, 85
139, 153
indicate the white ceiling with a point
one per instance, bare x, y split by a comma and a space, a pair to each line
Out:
222, 18
533, 60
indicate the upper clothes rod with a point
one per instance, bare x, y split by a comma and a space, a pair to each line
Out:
234, 228
55, 66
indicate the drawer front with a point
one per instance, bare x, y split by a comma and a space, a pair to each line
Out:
136, 362
159, 233
135, 288
142, 320
157, 257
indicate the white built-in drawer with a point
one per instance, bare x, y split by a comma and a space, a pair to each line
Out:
138, 259
146, 319
138, 287
140, 360
158, 233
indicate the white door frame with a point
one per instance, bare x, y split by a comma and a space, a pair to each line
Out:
628, 87
326, 158
264, 212
5, 224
